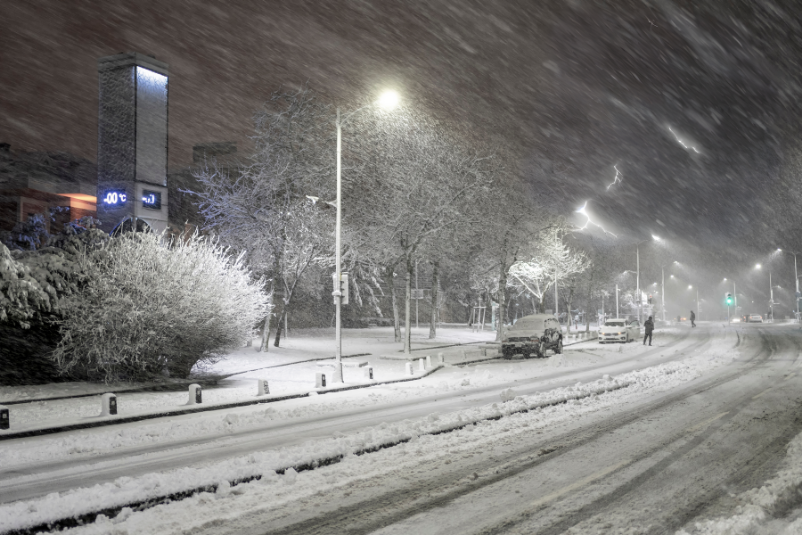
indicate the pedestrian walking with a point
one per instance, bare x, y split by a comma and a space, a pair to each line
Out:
648, 327
692, 318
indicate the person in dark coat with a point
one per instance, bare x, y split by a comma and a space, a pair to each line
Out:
691, 315
648, 327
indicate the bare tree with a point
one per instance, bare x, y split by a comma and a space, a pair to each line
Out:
262, 206
417, 186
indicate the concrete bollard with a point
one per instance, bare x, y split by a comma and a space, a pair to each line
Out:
262, 387
440, 358
421, 365
408, 368
195, 394
320, 380
108, 405
369, 373
429, 362
5, 419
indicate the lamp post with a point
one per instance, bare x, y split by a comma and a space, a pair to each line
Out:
663, 303
388, 100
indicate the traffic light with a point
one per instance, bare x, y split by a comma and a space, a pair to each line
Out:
729, 299
649, 299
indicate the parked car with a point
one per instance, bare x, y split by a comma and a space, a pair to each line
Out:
619, 330
536, 333
755, 318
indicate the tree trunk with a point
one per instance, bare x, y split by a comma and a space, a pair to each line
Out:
280, 323
434, 310
502, 299
407, 299
263, 346
395, 304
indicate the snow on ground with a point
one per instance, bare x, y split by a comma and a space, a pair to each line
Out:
780, 496
295, 374
297, 378
273, 490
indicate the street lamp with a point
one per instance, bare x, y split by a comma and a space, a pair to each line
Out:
388, 101
638, 287
772, 313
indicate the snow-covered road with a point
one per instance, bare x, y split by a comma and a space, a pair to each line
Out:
646, 449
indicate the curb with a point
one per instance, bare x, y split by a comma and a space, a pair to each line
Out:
203, 381
196, 409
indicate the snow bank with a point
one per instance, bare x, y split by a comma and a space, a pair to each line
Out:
760, 506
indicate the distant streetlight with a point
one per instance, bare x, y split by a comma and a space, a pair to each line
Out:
388, 100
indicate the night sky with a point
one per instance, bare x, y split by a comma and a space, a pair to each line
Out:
698, 104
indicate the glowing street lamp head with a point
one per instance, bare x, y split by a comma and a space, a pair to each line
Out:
656, 238
689, 286
389, 100
758, 266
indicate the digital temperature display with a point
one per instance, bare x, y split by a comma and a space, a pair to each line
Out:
152, 199
114, 197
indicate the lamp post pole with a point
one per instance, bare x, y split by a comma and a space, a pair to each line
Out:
388, 100
735, 300
338, 373
617, 300
772, 314
797, 289
638, 287
663, 298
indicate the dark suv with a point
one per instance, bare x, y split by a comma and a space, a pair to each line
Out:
533, 334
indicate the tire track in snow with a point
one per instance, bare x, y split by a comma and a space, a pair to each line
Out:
372, 514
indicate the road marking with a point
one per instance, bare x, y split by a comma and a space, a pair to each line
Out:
762, 393
577, 484
706, 423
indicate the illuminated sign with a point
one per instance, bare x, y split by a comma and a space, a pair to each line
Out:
114, 197
151, 199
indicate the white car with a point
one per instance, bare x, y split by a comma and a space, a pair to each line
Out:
533, 334
619, 330
755, 318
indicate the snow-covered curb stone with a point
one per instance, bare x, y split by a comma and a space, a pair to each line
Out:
151, 489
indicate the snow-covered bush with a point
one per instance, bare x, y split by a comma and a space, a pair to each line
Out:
33, 284
157, 304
